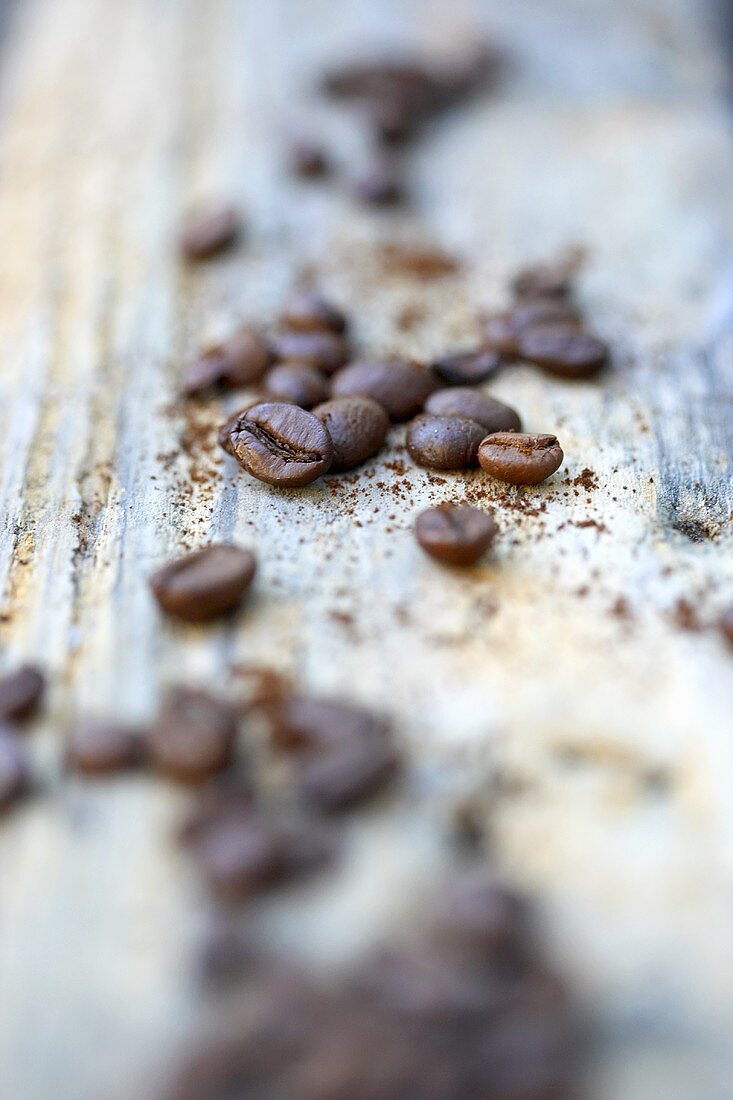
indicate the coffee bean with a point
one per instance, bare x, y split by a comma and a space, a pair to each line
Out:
563, 350
210, 232
379, 185
206, 583
193, 736
281, 444
14, 768
400, 387
308, 160
326, 351
100, 748
296, 383
357, 427
502, 331
519, 458
224, 431
726, 623
456, 534
240, 361
467, 368
309, 312
342, 754
20, 693
444, 442
544, 281
475, 405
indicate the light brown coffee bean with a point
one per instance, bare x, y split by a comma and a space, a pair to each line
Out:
240, 361
563, 350
324, 350
399, 386
357, 427
193, 736
282, 445
444, 442
455, 534
206, 583
493, 415
519, 458
296, 383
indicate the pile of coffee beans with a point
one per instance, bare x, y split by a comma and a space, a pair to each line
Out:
466, 1010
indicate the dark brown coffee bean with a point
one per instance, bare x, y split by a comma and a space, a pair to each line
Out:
21, 693
379, 186
475, 405
100, 748
502, 331
326, 351
544, 281
281, 444
193, 736
240, 361
400, 387
357, 427
342, 754
206, 583
309, 312
519, 458
14, 768
296, 383
444, 442
209, 232
308, 160
726, 623
456, 534
563, 350
467, 368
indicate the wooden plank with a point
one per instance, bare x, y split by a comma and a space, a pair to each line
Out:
520, 681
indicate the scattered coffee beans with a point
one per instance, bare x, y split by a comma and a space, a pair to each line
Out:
280, 444
308, 160
210, 232
562, 350
476, 405
399, 386
14, 768
240, 361
310, 312
326, 351
194, 736
21, 693
296, 383
520, 459
456, 534
206, 583
357, 427
101, 748
467, 368
444, 442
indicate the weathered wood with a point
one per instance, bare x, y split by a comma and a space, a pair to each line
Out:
596, 731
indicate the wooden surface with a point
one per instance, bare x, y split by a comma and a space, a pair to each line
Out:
599, 742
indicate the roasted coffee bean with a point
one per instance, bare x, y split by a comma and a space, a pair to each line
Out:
100, 748
357, 427
400, 387
20, 693
726, 623
308, 160
444, 442
240, 361
193, 736
483, 915
502, 331
209, 232
467, 368
206, 583
456, 534
379, 185
326, 351
296, 383
309, 312
519, 458
562, 350
14, 768
475, 405
281, 444
342, 754
553, 280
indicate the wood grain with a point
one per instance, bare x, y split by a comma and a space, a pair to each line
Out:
555, 681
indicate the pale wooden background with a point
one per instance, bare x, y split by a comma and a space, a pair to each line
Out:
611, 130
